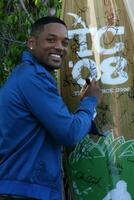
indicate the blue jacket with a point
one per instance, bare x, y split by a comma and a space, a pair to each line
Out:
34, 124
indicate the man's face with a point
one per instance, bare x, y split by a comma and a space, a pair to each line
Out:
50, 47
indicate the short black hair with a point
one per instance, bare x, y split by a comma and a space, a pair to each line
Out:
38, 26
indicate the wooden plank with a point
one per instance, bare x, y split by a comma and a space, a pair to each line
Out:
102, 41
129, 4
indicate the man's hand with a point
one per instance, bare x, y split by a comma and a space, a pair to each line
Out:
91, 89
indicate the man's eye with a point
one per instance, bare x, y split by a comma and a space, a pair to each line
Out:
65, 43
51, 40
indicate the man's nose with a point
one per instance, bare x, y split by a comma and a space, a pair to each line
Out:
59, 45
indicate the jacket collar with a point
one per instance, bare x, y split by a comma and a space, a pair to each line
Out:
29, 58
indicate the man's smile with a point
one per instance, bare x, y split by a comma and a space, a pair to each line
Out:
56, 57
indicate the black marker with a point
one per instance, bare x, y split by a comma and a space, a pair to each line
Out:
88, 81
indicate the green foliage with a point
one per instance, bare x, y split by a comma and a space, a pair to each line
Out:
16, 17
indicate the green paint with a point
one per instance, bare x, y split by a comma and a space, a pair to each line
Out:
98, 167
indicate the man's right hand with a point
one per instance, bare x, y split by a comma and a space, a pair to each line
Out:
91, 89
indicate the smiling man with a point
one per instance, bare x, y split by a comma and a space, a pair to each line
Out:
50, 46
35, 122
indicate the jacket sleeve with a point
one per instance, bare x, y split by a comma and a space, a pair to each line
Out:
42, 99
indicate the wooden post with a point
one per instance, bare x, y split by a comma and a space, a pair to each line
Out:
101, 36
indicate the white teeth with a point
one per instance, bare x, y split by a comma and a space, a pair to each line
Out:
55, 55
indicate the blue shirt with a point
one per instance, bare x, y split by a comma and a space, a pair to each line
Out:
34, 124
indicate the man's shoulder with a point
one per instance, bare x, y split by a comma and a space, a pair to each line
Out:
23, 71
24, 67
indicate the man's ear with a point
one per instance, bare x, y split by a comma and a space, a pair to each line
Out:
31, 43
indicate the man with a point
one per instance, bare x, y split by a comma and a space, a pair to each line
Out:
35, 122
